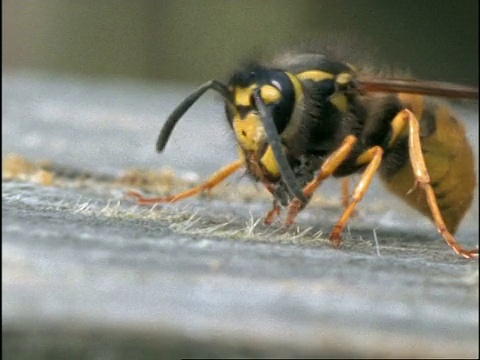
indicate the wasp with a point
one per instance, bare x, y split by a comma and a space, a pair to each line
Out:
304, 117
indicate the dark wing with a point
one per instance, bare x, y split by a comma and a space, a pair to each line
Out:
430, 88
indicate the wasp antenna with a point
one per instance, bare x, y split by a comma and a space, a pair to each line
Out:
276, 143
181, 109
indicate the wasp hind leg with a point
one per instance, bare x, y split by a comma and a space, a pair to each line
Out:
422, 179
213, 181
346, 194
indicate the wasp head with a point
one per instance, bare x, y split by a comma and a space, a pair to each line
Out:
276, 90
259, 106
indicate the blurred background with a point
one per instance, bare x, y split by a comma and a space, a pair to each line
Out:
192, 41
86, 273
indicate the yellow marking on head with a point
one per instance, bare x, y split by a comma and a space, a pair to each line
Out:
249, 131
270, 94
315, 75
243, 96
268, 160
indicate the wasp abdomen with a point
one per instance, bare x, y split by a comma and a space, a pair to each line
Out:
449, 160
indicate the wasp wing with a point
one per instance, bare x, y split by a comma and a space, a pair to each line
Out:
429, 88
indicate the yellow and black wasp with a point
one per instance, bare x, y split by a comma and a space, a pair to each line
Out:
306, 116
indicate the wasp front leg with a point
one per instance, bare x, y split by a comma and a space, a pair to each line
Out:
213, 181
345, 192
331, 164
272, 214
276, 208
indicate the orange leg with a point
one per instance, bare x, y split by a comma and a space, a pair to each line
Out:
276, 209
422, 179
213, 181
345, 192
374, 159
272, 214
327, 169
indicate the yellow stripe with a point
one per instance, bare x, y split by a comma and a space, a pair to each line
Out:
297, 87
340, 101
315, 75
343, 78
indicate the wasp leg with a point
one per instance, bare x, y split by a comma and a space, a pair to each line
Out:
373, 157
213, 181
272, 214
345, 191
422, 179
327, 169
346, 194
276, 209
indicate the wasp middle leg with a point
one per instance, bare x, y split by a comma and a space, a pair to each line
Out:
373, 157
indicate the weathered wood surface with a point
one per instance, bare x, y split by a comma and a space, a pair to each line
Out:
87, 273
